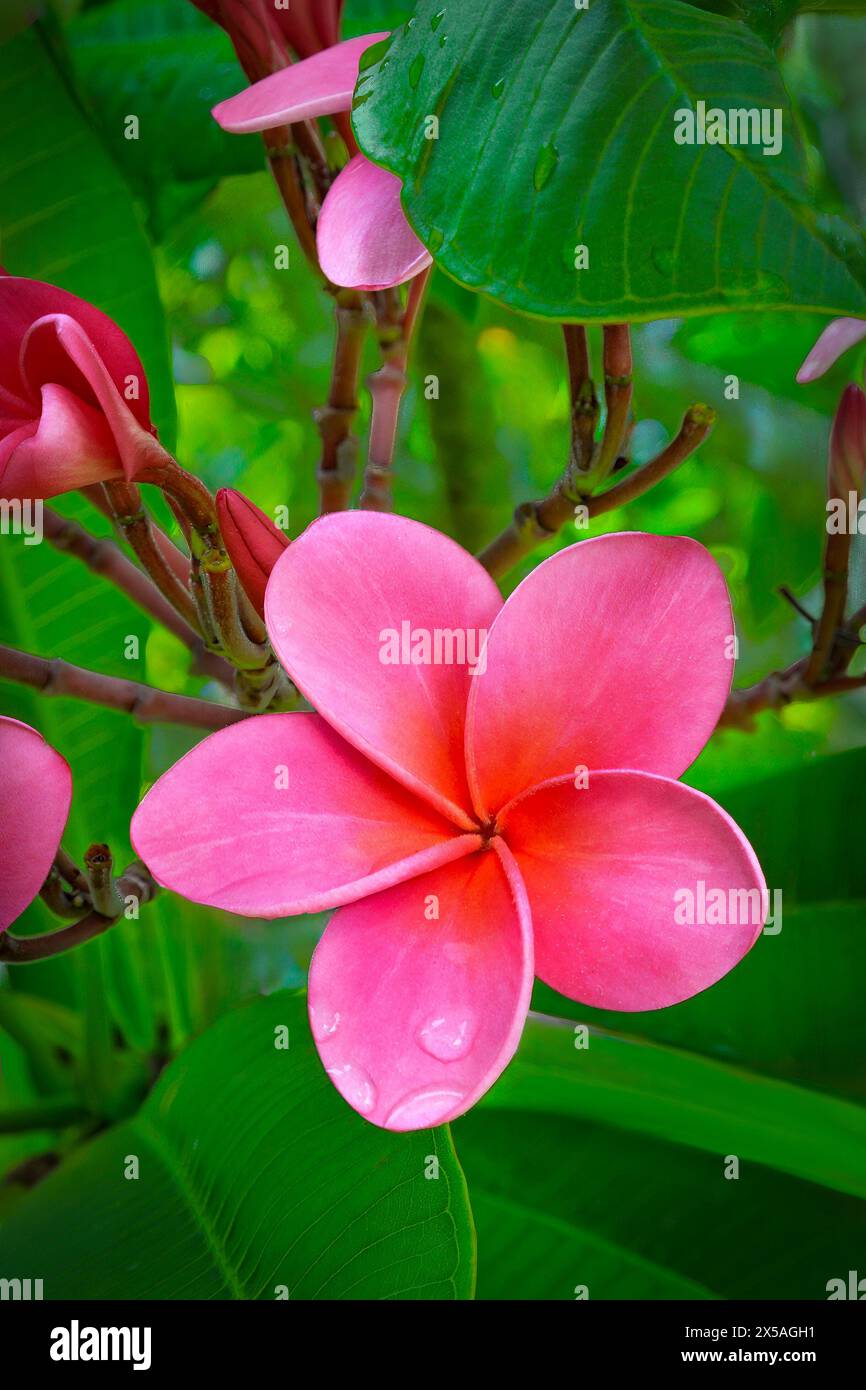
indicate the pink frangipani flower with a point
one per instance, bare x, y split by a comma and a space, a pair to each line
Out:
837, 338
363, 237
474, 821
35, 793
74, 407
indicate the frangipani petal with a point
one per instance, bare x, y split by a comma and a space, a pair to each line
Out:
35, 794
347, 605
418, 996
363, 237
619, 874
278, 815
69, 446
837, 337
23, 302
614, 653
322, 85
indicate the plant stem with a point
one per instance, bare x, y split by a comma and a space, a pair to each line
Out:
133, 523
104, 557
836, 555
290, 185
25, 950
145, 703
386, 387
339, 457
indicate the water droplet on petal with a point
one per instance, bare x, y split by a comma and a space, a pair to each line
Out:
548, 158
323, 1022
447, 1036
423, 1109
355, 1086
415, 70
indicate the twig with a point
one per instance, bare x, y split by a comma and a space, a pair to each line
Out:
535, 522
24, 950
336, 475
145, 703
104, 893
133, 523
386, 387
104, 557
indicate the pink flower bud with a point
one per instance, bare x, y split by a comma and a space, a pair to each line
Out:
75, 400
848, 445
253, 542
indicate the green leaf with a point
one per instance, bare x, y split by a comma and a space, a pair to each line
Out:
572, 120
253, 1174
68, 217
560, 1203
667, 1094
167, 65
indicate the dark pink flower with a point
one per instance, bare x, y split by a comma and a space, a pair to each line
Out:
363, 237
447, 814
35, 792
253, 542
74, 406
837, 338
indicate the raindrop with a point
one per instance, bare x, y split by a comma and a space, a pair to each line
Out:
435, 240
498, 87
323, 1022
437, 20
355, 1086
423, 1109
548, 158
415, 70
447, 1037
662, 259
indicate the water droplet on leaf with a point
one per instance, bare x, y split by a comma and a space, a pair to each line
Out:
548, 158
415, 70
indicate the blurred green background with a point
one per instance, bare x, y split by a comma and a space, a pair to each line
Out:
600, 1167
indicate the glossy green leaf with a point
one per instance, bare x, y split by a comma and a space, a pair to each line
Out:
564, 1205
256, 1181
572, 121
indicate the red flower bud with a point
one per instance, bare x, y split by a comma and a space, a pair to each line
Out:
847, 465
253, 542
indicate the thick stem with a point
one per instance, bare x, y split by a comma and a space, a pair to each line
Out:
143, 702
25, 950
339, 456
104, 893
386, 388
617, 394
290, 185
104, 558
133, 524
535, 522
836, 555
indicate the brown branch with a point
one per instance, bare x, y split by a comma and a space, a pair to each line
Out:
337, 468
394, 329
103, 557
290, 186
133, 523
24, 950
535, 522
145, 703
836, 555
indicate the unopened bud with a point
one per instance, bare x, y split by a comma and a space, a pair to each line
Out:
253, 542
848, 445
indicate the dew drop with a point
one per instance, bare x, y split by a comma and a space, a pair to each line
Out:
548, 158
423, 1109
415, 70
355, 1086
498, 87
437, 20
662, 259
323, 1022
435, 240
447, 1037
